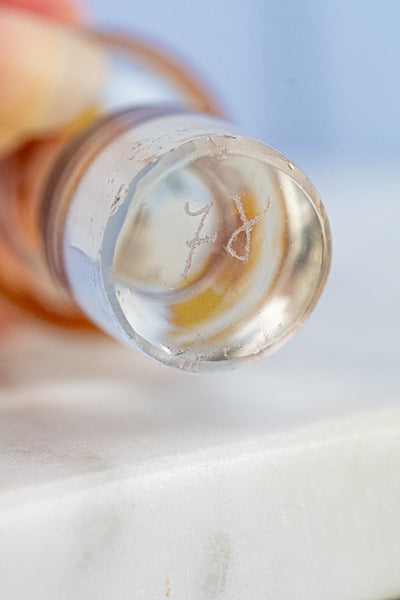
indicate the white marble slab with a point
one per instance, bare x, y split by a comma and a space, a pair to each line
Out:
123, 480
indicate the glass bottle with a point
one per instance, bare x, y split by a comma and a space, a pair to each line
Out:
162, 223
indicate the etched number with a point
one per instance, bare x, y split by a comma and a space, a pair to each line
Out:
197, 240
246, 227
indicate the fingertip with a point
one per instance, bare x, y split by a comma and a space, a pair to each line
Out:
51, 73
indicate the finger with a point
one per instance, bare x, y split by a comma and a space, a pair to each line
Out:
49, 75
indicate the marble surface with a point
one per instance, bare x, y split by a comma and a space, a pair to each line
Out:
123, 479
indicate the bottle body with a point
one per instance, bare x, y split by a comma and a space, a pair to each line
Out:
178, 235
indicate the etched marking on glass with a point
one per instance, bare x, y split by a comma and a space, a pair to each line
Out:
197, 240
246, 227
120, 196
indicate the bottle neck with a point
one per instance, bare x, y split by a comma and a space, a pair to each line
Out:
183, 238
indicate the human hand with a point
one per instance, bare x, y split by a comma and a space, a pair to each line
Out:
49, 73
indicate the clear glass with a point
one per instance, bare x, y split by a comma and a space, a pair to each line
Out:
174, 232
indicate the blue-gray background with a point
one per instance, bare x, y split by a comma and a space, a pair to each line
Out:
304, 76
